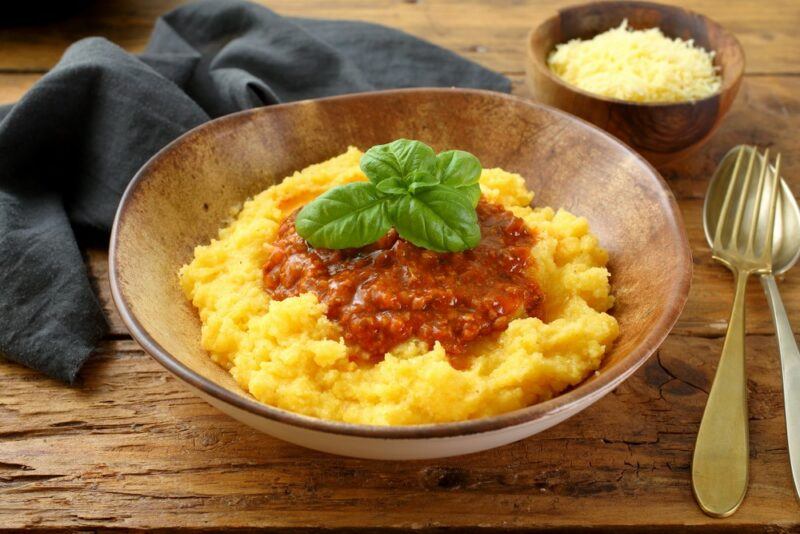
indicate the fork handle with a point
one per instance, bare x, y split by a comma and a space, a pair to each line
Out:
790, 369
720, 462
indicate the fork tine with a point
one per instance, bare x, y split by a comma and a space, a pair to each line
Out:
773, 203
757, 204
737, 223
723, 214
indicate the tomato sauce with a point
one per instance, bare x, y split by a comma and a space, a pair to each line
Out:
391, 291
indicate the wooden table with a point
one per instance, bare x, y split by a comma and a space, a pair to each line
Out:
130, 447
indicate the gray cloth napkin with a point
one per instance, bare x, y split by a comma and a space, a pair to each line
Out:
69, 147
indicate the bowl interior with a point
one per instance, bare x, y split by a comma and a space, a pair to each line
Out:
185, 193
587, 20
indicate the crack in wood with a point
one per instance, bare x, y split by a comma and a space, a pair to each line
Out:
61, 430
675, 377
15, 467
13, 482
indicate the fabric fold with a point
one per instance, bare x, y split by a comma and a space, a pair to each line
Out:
70, 146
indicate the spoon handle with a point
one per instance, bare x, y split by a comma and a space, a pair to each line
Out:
790, 369
720, 462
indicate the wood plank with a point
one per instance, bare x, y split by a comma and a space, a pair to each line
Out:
492, 33
766, 110
766, 113
13, 86
710, 298
706, 313
131, 448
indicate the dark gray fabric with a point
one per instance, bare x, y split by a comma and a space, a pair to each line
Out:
69, 147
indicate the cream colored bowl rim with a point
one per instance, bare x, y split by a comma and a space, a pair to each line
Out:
572, 400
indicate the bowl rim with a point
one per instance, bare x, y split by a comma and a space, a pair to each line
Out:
538, 62
591, 390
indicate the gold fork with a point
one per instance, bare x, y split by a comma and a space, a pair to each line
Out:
720, 462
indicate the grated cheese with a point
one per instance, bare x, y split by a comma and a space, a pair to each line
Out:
637, 66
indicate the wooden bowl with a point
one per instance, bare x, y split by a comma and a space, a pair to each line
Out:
182, 196
662, 133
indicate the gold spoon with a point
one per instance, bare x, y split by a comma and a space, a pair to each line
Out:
785, 253
720, 462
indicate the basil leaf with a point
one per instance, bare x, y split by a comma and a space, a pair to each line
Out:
461, 170
349, 216
419, 186
429, 199
457, 168
403, 160
392, 186
440, 219
473, 192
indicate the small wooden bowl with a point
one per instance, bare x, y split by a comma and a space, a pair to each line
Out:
182, 196
664, 132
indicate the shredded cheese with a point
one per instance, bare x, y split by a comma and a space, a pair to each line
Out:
637, 66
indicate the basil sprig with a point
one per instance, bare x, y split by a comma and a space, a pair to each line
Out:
429, 199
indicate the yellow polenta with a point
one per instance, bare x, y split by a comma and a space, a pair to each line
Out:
288, 354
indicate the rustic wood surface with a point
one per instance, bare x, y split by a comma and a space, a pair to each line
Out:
130, 448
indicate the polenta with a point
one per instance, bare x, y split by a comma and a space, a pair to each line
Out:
288, 354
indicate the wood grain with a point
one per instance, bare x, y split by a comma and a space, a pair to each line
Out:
766, 113
129, 447
13, 86
705, 314
492, 33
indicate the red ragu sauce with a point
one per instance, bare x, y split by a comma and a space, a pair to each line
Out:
391, 291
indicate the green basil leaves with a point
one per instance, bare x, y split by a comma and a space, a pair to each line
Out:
348, 216
403, 162
439, 218
460, 170
430, 200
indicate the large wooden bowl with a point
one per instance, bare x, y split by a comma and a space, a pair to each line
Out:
662, 133
182, 196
